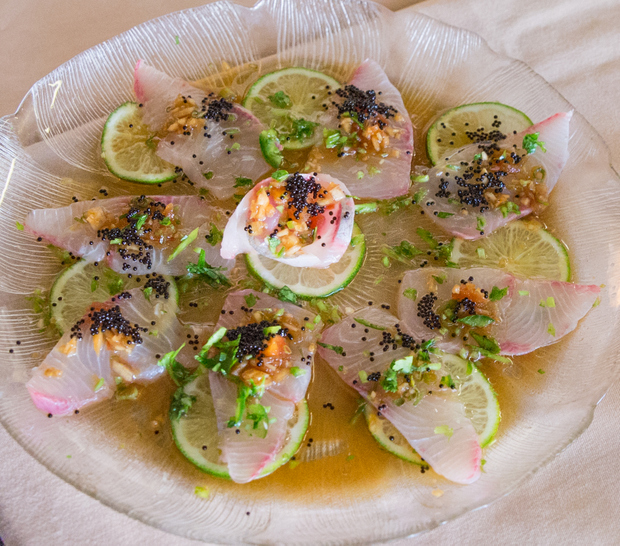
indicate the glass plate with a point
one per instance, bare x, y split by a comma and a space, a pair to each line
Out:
49, 152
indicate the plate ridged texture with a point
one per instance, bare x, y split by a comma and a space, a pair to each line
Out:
56, 136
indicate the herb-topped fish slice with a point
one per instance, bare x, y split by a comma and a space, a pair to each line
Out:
212, 139
395, 373
135, 235
302, 220
370, 145
489, 311
486, 185
118, 341
260, 362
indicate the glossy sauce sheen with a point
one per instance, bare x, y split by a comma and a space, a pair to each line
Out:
353, 462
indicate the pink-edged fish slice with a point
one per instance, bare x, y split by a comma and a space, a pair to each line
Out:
457, 455
213, 154
391, 178
303, 345
65, 228
334, 229
541, 312
65, 382
441, 199
246, 453
438, 282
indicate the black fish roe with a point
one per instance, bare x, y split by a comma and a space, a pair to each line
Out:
253, 340
465, 305
374, 376
299, 188
159, 285
217, 109
110, 319
128, 236
425, 311
363, 104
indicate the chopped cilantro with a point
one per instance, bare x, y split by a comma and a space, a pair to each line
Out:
497, 294
389, 383
530, 142
205, 272
365, 208
427, 237
444, 214
280, 175
208, 175
440, 278
94, 284
419, 196
286, 294
447, 381
19, 226
541, 371
141, 220
488, 354
177, 40
411, 293
178, 373
303, 129
372, 170
403, 252
250, 300
242, 182
280, 99
147, 292
214, 236
298, 372
180, 404
480, 223
486, 342
420, 179
165, 221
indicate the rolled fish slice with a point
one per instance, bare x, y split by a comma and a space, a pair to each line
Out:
455, 455
443, 204
381, 178
66, 228
214, 153
66, 381
334, 229
533, 313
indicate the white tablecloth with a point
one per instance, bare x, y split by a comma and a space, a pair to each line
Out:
575, 45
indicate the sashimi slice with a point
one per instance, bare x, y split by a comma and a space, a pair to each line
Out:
67, 380
436, 427
78, 229
533, 313
474, 192
541, 312
386, 172
237, 311
244, 451
222, 147
421, 288
265, 221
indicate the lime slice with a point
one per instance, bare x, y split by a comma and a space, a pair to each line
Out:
291, 102
195, 434
521, 247
476, 394
308, 282
450, 131
389, 438
128, 148
84, 283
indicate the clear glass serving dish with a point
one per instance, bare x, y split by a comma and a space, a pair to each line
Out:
49, 152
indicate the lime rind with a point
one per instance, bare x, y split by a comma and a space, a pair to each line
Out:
148, 167
201, 423
479, 114
306, 89
521, 247
257, 266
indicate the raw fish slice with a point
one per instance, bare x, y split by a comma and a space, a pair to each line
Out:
334, 229
532, 321
443, 188
393, 176
208, 155
457, 458
243, 450
64, 382
302, 346
426, 281
65, 228
534, 313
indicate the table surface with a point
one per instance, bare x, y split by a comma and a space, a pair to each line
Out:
571, 43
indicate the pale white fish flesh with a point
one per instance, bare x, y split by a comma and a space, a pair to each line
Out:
66, 228
64, 383
212, 155
456, 455
448, 202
